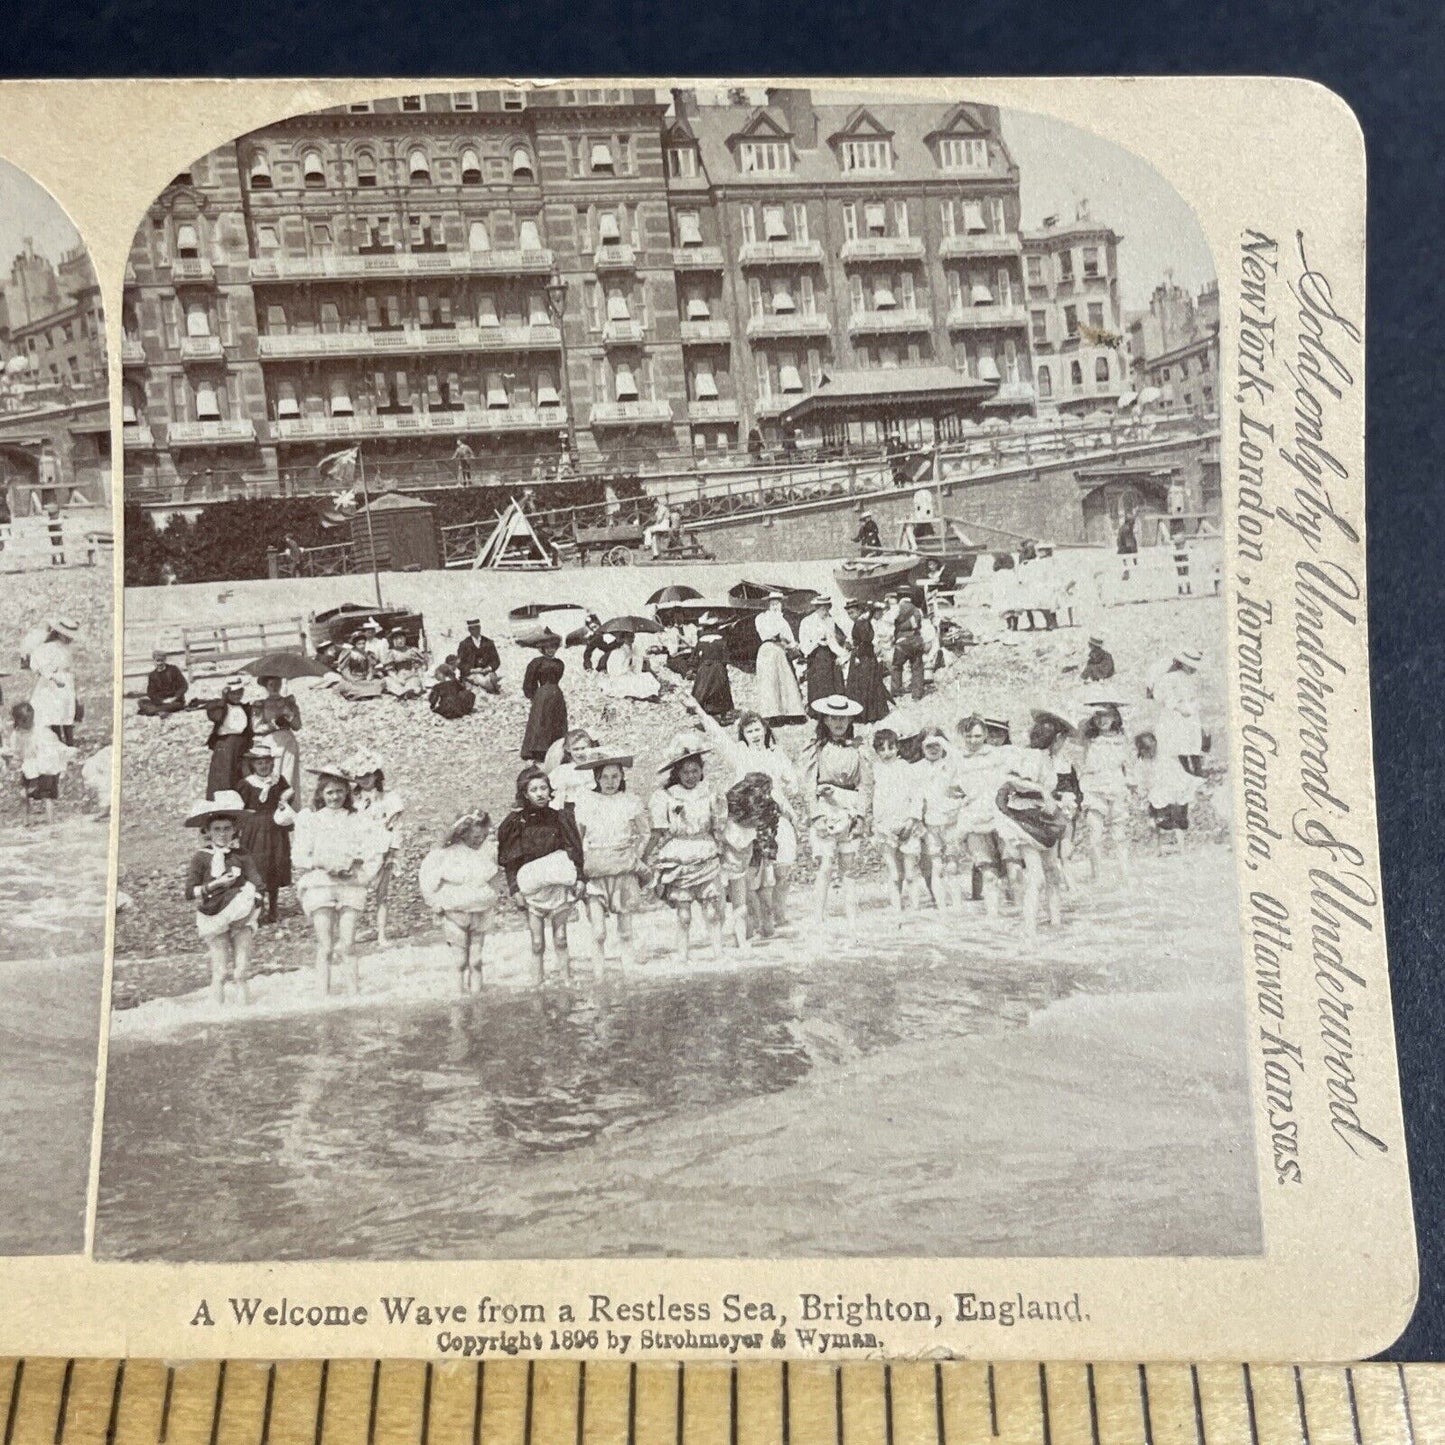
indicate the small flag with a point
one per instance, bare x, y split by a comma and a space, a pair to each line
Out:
340, 466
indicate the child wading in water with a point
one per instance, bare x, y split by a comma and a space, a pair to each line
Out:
336, 854
41, 758
267, 822
1033, 822
749, 845
897, 826
1104, 777
839, 789
381, 808
978, 769
1168, 790
225, 885
458, 882
940, 801
688, 819
614, 828
540, 851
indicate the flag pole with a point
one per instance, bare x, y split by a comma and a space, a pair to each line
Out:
370, 529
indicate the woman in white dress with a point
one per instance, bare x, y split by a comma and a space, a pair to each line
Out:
1177, 727
53, 695
626, 676
780, 700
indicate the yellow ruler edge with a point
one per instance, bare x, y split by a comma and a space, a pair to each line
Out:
554, 1402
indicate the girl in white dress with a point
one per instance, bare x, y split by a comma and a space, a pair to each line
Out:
335, 854
839, 793
458, 882
1104, 777
615, 830
382, 808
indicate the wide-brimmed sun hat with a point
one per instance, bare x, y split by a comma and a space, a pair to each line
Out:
331, 770
1107, 702
1190, 657
261, 747
234, 683
683, 746
836, 705
820, 599
1046, 714
225, 804
65, 626
608, 759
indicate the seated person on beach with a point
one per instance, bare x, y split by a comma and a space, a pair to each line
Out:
165, 688
405, 669
450, 697
478, 661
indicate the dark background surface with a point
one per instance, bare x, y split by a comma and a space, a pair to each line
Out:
1385, 59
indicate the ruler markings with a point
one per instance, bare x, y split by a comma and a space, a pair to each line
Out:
1249, 1402
322, 1386
89, 1401
1044, 1402
216, 1404
477, 1403
190, 1408
268, 1406
655, 1408
760, 1393
113, 1423
1405, 1400
838, 1406
66, 1377
1299, 1395
992, 1403
862, 1404
1119, 1417
1093, 1404
371, 1403
1354, 1404
165, 1429
1144, 1406
426, 1405
242, 1418
581, 1401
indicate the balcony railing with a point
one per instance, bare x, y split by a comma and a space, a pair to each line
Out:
201, 348
407, 338
136, 435
192, 268
711, 330
621, 333
864, 323
343, 266
980, 243
697, 258
790, 323
883, 248
469, 419
780, 253
210, 433
630, 413
132, 353
1000, 314
614, 256
718, 409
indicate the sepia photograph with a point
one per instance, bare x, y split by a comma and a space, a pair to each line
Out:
675, 685
56, 708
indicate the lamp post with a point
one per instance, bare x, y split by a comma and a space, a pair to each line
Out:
557, 306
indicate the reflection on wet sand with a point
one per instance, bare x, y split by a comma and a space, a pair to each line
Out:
471, 1128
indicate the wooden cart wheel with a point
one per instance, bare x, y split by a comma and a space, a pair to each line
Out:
617, 557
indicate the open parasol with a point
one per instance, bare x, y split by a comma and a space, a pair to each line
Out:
629, 623
675, 593
286, 665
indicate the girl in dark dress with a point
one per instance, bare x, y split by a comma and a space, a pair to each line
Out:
865, 672
539, 849
230, 738
548, 719
712, 687
265, 826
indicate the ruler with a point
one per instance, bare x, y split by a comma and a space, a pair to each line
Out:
516, 1402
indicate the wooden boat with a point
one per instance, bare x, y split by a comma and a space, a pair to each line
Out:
934, 549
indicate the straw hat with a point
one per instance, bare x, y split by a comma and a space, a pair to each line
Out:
1107, 702
224, 805
67, 627
1044, 714
821, 599
331, 770
1190, 657
261, 747
683, 746
595, 765
234, 683
836, 705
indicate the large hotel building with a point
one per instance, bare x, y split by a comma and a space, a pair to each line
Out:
492, 275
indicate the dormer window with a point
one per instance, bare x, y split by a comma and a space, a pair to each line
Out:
260, 172
765, 156
471, 167
682, 162
313, 171
867, 155
959, 153
522, 165
411, 102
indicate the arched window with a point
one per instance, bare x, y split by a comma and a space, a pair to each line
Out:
365, 168
477, 238
260, 171
522, 165
471, 167
1076, 373
313, 171
1046, 382
1101, 370
418, 167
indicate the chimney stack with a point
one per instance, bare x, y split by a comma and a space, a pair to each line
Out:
797, 108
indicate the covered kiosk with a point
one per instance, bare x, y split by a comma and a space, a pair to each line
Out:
912, 405
405, 533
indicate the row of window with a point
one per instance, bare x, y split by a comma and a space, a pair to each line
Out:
363, 171
1103, 376
872, 153
1039, 322
1092, 259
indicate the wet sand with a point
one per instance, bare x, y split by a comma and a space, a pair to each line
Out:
49, 1037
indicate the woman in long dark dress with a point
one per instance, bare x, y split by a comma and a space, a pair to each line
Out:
230, 738
712, 686
865, 672
265, 826
548, 719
